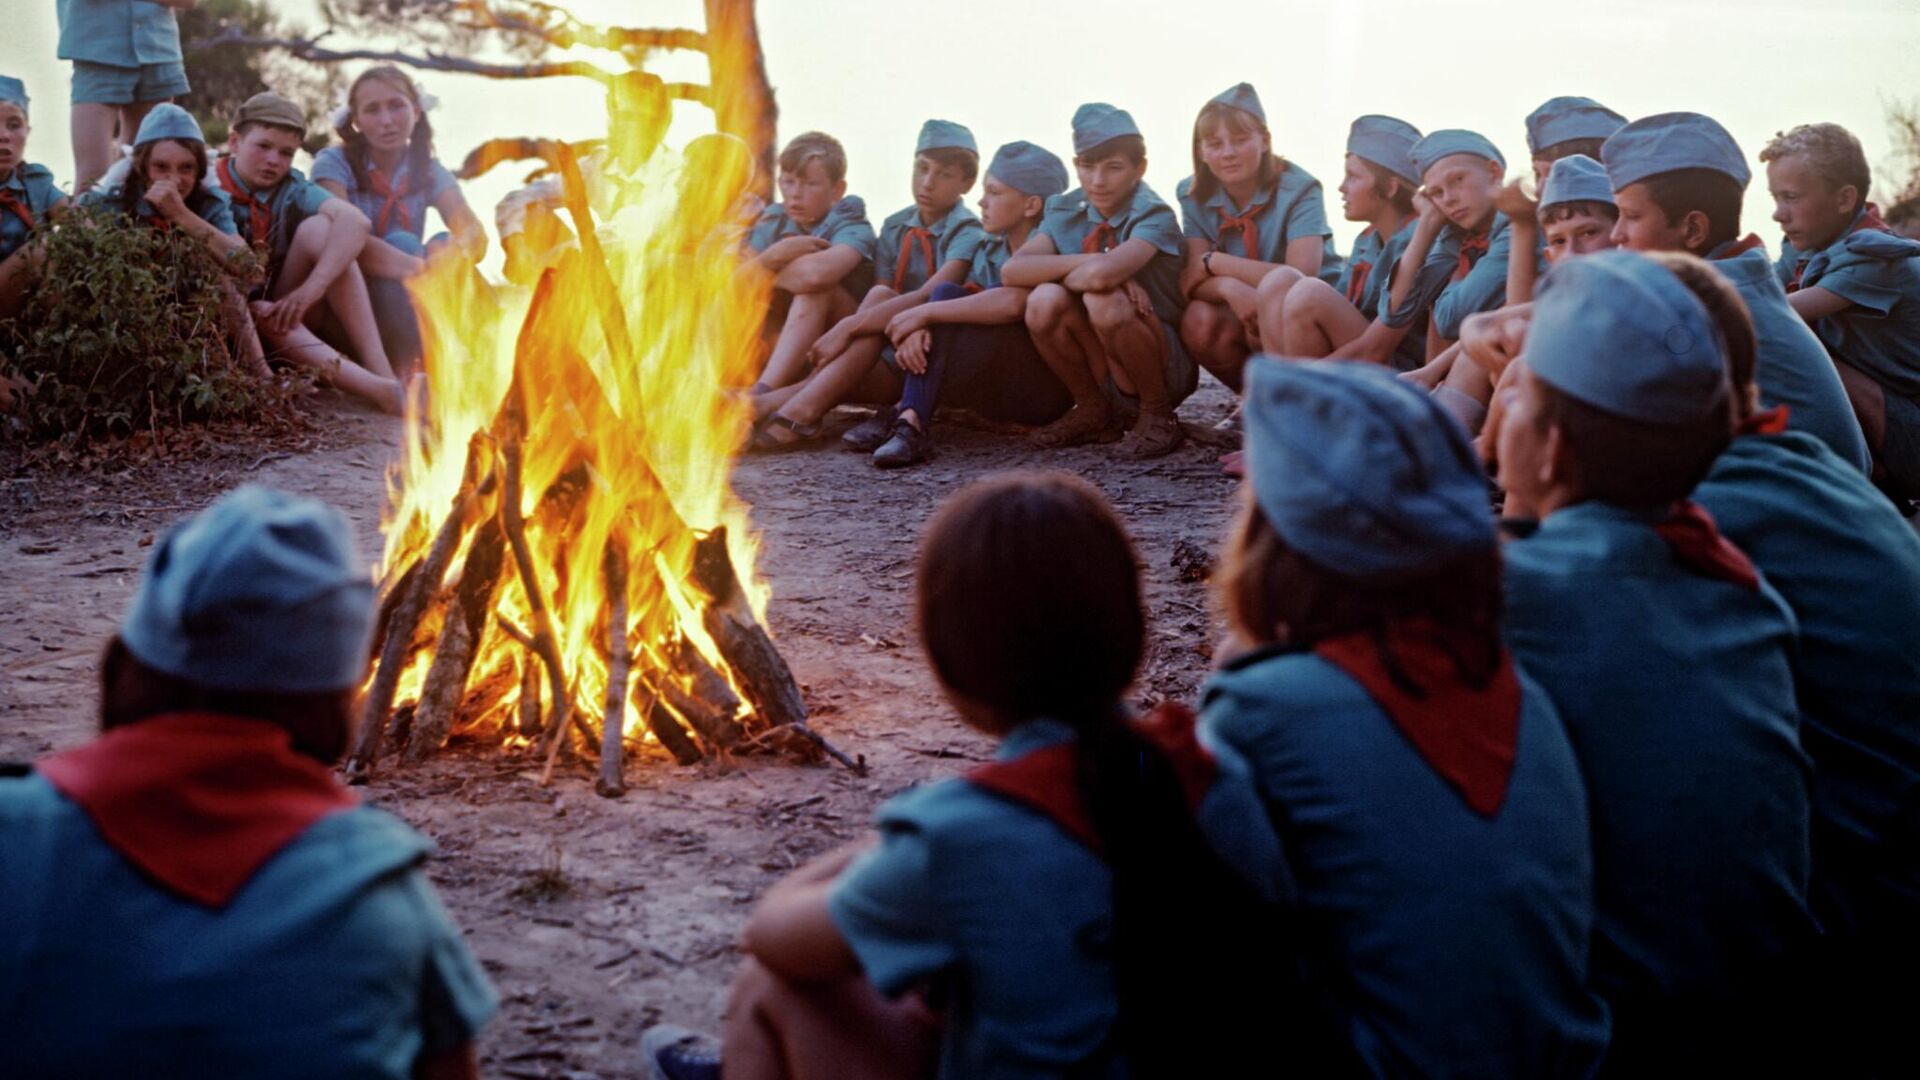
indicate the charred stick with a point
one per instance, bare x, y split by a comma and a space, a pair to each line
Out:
460, 637
705, 683
667, 729
613, 725
529, 703
713, 725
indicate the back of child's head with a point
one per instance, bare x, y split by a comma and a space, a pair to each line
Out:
1730, 316
1131, 149
815, 146
1831, 151
1709, 191
1217, 115
1029, 599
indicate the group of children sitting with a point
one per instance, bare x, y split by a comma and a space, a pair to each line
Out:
1088, 313
317, 266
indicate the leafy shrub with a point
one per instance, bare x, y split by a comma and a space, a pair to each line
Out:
123, 332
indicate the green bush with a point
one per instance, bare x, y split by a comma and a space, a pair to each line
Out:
122, 332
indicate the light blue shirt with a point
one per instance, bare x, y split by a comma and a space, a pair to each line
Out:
335, 961
1877, 273
1291, 208
33, 186
210, 203
1449, 296
989, 258
1071, 218
290, 202
123, 33
846, 223
332, 164
956, 235
1366, 281
1456, 943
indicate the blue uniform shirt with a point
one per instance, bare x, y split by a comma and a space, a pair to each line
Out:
1879, 274
1071, 218
966, 883
1849, 567
335, 960
1449, 296
1292, 207
1458, 942
123, 33
1792, 367
1367, 279
409, 212
290, 202
1677, 694
954, 236
989, 257
33, 188
845, 223
209, 203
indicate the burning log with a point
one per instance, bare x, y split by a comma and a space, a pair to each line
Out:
460, 637
613, 726
714, 725
528, 712
668, 731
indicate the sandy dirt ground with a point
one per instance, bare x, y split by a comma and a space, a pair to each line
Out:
596, 917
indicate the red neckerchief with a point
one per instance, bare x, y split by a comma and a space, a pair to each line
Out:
1472, 247
197, 801
159, 221
1357, 279
1737, 248
14, 205
1046, 781
1869, 220
259, 215
1689, 530
1465, 734
1248, 228
925, 236
1097, 240
1765, 422
393, 193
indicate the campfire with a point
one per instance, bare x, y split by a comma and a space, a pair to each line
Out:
566, 564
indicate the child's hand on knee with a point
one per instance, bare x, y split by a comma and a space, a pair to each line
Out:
1142, 303
912, 353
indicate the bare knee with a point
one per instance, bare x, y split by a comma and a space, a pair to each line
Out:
1047, 306
1202, 321
879, 294
1309, 299
1278, 283
1109, 310
311, 236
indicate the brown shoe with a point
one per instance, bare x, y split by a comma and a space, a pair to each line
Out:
1153, 435
1084, 423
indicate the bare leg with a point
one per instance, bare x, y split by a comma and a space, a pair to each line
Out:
303, 348
1317, 320
1135, 343
16, 273
840, 1029
1869, 405
808, 317
1066, 340
1216, 340
92, 127
346, 297
836, 382
1270, 301
240, 329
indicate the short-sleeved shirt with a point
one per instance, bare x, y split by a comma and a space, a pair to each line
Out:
123, 33
1292, 207
846, 223
1677, 693
1366, 280
1071, 219
290, 202
1849, 567
1455, 944
1791, 366
407, 213
1878, 274
989, 258
335, 960
34, 192
966, 883
955, 236
209, 203
1451, 287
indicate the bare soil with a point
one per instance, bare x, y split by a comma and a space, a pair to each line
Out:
597, 917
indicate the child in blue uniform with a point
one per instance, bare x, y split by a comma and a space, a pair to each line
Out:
1857, 283
1849, 567
194, 893
1105, 308
1430, 806
1077, 904
126, 59
1461, 245
1564, 126
1308, 318
28, 196
1678, 180
817, 246
1669, 658
164, 186
919, 249
1245, 212
969, 345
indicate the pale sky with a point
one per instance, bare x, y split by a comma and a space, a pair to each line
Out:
869, 71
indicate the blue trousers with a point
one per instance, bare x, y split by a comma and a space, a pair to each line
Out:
993, 370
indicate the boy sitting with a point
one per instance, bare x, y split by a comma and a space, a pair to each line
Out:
1104, 268
928, 244
1857, 283
1678, 179
1564, 126
28, 196
817, 246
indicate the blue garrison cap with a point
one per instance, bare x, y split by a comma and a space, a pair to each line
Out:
1450, 141
1386, 141
1576, 178
1241, 96
1029, 169
1667, 142
1361, 472
168, 121
13, 90
1621, 333
1563, 119
1096, 122
945, 135
262, 591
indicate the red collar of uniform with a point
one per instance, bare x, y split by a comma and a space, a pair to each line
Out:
1765, 422
1465, 734
197, 801
1735, 248
1047, 780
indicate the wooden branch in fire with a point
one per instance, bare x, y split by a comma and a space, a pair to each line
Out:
613, 725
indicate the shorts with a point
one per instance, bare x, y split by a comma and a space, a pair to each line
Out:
108, 84
1900, 449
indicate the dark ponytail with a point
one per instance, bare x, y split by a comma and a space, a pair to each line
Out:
354, 142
